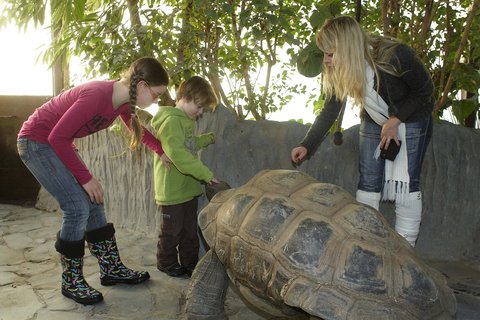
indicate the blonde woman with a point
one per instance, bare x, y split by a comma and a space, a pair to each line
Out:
391, 85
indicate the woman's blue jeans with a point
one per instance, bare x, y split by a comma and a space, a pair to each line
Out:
79, 213
418, 135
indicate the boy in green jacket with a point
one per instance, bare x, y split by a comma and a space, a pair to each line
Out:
177, 187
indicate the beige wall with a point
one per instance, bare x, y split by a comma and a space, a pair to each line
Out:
20, 106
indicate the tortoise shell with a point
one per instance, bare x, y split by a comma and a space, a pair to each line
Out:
290, 242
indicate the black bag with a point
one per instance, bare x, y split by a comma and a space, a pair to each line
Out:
391, 152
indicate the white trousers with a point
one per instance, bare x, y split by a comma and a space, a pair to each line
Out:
408, 217
369, 198
408, 213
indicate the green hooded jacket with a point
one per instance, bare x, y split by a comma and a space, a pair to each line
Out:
181, 182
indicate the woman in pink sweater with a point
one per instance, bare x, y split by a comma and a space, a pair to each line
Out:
45, 145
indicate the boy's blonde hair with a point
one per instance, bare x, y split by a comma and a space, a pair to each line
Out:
199, 91
352, 48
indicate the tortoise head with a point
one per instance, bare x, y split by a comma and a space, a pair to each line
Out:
214, 188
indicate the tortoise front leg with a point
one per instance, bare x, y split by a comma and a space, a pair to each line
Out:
205, 298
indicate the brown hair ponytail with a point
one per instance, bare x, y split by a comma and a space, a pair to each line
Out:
153, 73
136, 131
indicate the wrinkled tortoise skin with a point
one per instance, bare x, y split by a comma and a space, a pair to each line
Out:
291, 242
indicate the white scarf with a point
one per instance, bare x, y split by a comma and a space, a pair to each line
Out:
396, 172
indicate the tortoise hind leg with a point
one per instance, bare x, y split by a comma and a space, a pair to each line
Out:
207, 290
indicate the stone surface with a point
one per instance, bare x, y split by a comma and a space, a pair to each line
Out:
30, 289
450, 228
10, 306
30, 277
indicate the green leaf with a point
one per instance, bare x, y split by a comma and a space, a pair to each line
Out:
309, 61
79, 9
318, 105
319, 16
256, 32
467, 78
461, 109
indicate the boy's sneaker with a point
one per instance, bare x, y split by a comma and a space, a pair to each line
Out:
189, 270
175, 270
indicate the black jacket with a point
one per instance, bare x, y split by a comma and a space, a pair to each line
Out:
409, 96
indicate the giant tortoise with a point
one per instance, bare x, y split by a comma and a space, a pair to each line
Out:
298, 248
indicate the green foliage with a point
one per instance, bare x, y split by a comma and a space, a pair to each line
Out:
318, 104
467, 77
22, 12
309, 61
241, 45
461, 109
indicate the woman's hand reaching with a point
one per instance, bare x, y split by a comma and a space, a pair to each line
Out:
298, 154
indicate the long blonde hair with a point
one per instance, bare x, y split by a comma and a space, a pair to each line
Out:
352, 48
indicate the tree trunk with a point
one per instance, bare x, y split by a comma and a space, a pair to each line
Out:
390, 17
185, 35
430, 8
443, 99
244, 70
137, 25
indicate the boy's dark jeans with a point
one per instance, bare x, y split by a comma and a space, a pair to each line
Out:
178, 227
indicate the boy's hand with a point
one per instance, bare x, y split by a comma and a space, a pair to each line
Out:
212, 137
214, 181
166, 160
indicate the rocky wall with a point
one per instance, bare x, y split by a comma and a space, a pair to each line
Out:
450, 228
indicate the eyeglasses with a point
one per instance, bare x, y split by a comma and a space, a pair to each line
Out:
154, 94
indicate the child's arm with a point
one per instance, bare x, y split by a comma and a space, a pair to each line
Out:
148, 138
204, 140
185, 160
